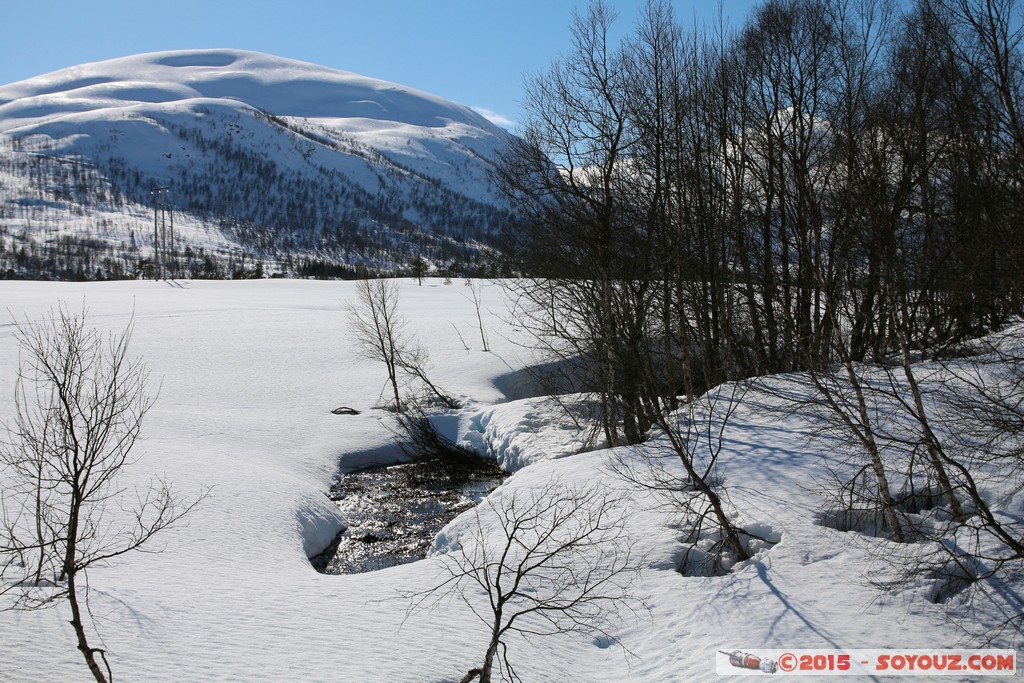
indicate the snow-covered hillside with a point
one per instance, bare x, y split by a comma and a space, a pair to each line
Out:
249, 373
276, 156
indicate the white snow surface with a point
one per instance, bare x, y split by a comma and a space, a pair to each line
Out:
248, 374
284, 86
117, 103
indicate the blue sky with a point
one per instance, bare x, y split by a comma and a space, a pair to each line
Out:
472, 51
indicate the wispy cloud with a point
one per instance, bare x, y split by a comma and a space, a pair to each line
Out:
495, 118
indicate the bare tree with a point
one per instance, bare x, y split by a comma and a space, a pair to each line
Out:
381, 333
379, 329
79, 405
683, 467
552, 560
978, 439
476, 294
589, 302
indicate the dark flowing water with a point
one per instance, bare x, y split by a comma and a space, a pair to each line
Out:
393, 513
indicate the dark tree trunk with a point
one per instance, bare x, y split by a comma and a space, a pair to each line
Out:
83, 644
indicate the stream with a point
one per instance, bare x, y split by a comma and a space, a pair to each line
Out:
393, 513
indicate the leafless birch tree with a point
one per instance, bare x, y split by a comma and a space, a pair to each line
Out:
379, 329
381, 334
80, 401
549, 561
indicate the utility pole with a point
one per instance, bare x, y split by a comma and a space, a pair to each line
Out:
160, 230
174, 261
156, 238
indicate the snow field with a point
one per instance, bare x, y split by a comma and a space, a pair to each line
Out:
248, 373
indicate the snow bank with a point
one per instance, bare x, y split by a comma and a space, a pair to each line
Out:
524, 432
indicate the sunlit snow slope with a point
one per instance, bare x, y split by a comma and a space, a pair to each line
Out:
278, 154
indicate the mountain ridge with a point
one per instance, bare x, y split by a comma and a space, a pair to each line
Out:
281, 159
202, 73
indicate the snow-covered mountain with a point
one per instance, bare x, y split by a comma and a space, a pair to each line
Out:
261, 155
